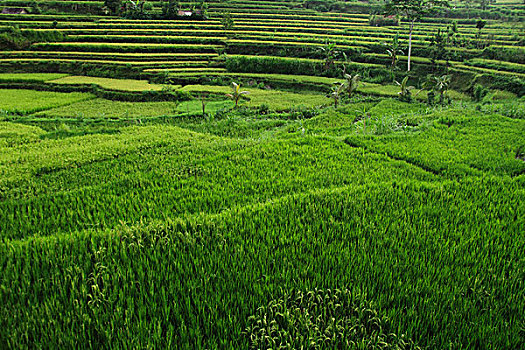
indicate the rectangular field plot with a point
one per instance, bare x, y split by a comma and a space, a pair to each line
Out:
195, 106
12, 134
457, 143
274, 99
111, 84
30, 77
174, 170
103, 109
281, 100
393, 91
28, 101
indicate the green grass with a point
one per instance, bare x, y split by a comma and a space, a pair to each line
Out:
269, 77
106, 109
497, 65
116, 55
490, 71
349, 118
420, 254
74, 152
281, 100
379, 224
111, 84
194, 70
233, 125
510, 108
29, 101
106, 62
390, 90
457, 142
215, 89
497, 95
274, 99
104, 44
12, 134
208, 185
30, 77
195, 106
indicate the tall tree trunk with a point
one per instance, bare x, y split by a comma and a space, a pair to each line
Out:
410, 44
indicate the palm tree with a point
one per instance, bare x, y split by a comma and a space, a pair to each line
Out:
351, 83
236, 93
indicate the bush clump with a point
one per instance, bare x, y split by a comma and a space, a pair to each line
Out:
13, 38
383, 21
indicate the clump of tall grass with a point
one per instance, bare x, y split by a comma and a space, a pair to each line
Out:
322, 319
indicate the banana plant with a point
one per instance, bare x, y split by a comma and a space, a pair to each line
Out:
351, 83
337, 92
363, 115
394, 50
330, 54
236, 94
204, 102
405, 94
346, 61
441, 85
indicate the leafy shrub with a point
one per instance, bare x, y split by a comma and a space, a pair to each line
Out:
12, 38
272, 65
227, 20
302, 112
514, 109
479, 92
383, 21
516, 55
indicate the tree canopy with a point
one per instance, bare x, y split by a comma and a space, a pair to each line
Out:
413, 10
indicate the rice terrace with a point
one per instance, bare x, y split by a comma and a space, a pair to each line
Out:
274, 174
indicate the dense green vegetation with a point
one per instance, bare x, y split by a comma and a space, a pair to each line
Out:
261, 175
28, 101
179, 236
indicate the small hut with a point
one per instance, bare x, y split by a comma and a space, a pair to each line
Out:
182, 13
14, 11
188, 13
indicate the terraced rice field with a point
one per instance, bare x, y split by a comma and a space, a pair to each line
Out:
280, 184
257, 25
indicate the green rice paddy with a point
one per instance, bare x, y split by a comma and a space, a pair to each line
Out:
172, 183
